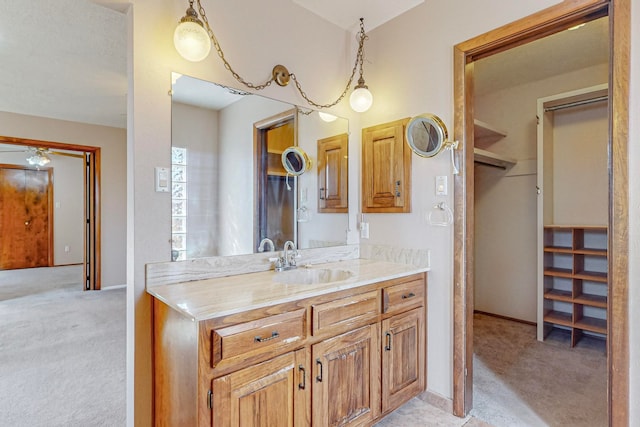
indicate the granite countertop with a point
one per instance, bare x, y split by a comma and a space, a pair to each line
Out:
210, 298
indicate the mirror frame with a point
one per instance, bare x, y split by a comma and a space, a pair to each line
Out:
303, 160
433, 121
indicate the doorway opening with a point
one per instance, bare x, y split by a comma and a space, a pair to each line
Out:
275, 200
90, 157
541, 24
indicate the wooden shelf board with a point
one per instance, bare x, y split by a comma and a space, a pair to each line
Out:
278, 151
558, 318
558, 272
591, 300
558, 249
492, 159
592, 324
577, 227
594, 276
593, 252
482, 130
558, 295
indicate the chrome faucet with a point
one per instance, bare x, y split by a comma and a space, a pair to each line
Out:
287, 260
266, 241
290, 259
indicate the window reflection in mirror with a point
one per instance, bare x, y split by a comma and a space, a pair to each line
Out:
217, 128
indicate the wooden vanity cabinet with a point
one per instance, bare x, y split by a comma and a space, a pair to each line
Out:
345, 379
339, 359
271, 393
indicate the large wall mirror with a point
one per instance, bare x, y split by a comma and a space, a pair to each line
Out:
229, 187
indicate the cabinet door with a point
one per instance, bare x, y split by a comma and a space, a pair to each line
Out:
333, 174
272, 393
403, 358
386, 169
345, 379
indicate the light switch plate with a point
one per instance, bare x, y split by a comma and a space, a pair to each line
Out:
162, 180
441, 185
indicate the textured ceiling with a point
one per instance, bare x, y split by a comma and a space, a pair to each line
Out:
64, 59
347, 13
559, 53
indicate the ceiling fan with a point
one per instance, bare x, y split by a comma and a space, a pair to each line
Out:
38, 156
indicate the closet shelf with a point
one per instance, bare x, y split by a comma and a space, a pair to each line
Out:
483, 131
492, 159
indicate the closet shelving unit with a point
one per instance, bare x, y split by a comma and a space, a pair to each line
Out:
484, 132
575, 279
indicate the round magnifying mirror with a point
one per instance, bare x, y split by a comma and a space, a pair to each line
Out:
295, 161
426, 135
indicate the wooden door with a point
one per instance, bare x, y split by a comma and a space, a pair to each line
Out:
333, 174
386, 169
345, 379
403, 358
272, 393
26, 221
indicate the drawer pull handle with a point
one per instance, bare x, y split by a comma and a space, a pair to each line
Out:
387, 347
274, 334
410, 295
303, 372
319, 364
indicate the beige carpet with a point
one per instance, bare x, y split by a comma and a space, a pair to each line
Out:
519, 381
62, 351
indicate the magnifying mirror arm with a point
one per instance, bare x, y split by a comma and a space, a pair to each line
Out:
452, 146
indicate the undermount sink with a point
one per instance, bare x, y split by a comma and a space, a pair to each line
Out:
307, 276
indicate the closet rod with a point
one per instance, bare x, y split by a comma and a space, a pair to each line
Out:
576, 103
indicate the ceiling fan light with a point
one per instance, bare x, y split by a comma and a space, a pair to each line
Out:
190, 38
38, 158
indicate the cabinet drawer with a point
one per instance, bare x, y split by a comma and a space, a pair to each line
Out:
280, 331
344, 313
402, 297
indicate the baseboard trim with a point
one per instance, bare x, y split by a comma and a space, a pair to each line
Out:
499, 316
437, 400
111, 288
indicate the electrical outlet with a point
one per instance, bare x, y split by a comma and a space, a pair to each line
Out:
67, 249
364, 230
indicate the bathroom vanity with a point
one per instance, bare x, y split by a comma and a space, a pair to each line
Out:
342, 343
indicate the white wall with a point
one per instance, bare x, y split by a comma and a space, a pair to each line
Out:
113, 185
196, 129
580, 161
408, 67
505, 201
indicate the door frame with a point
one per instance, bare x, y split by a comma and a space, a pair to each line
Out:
543, 23
92, 201
260, 129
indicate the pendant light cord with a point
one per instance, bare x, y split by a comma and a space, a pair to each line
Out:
361, 37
